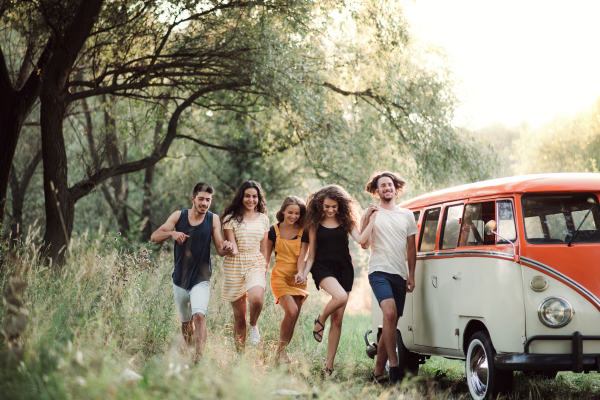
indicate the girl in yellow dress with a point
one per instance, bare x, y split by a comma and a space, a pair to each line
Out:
289, 239
245, 225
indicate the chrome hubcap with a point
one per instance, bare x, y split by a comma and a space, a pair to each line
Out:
478, 370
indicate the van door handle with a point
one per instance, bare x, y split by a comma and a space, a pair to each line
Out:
457, 276
434, 281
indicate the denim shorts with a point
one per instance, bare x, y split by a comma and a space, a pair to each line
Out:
190, 302
389, 286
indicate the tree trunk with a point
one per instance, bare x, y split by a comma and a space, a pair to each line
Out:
120, 183
13, 112
147, 204
59, 204
18, 189
148, 178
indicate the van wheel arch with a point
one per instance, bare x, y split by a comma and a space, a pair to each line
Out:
472, 327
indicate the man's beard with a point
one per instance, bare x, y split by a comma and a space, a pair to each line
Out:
384, 199
200, 211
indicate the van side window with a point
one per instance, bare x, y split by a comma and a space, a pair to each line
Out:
417, 214
506, 221
429, 230
473, 223
451, 228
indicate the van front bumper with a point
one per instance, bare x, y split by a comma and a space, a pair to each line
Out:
575, 362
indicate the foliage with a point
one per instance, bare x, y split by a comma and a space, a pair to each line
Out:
566, 144
103, 313
267, 90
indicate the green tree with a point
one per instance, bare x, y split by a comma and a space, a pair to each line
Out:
566, 144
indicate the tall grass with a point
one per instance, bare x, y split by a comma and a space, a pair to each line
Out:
110, 308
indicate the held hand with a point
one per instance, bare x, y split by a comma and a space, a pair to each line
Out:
227, 247
299, 279
179, 237
410, 284
372, 207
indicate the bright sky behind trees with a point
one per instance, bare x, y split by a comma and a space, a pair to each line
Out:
518, 60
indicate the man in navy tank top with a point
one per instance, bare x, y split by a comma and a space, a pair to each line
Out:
192, 230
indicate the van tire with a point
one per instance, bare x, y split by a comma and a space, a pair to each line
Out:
408, 362
484, 380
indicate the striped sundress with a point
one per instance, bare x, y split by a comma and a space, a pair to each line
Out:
247, 268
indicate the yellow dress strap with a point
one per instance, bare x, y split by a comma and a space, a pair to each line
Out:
277, 235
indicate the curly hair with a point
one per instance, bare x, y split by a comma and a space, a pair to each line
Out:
348, 208
292, 201
399, 182
235, 209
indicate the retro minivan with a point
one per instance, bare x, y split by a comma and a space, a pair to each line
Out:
507, 278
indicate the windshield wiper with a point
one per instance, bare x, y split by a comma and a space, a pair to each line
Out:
577, 231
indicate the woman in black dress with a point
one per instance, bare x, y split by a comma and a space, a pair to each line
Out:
331, 215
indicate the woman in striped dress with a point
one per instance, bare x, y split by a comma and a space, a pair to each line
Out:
246, 225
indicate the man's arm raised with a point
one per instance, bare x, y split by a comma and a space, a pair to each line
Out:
166, 230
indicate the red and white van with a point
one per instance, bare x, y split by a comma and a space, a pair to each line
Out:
507, 279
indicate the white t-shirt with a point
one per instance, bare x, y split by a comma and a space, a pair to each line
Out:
388, 241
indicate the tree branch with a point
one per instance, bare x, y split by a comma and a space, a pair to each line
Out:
5, 82
365, 93
82, 188
214, 146
29, 171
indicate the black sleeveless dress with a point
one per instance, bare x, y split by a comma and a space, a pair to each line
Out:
333, 257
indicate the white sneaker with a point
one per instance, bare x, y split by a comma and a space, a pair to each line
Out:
254, 335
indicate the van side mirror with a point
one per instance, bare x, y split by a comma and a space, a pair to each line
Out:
490, 228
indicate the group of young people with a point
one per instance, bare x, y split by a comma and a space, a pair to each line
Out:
309, 237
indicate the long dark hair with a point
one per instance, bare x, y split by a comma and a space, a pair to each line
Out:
348, 208
235, 209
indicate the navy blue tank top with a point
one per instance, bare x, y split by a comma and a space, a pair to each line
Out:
192, 258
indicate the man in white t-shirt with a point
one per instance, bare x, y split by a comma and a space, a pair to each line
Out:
392, 244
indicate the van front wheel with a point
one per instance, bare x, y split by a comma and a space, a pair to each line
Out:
408, 362
483, 379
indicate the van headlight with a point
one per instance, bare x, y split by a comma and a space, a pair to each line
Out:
555, 312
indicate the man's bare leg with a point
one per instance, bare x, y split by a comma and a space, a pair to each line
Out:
239, 322
187, 330
387, 343
200, 334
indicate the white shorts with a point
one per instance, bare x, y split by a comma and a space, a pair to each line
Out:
190, 302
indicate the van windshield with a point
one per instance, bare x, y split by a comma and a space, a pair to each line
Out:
555, 218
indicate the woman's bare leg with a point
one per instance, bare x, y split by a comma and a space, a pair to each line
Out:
291, 306
339, 299
335, 331
256, 298
239, 322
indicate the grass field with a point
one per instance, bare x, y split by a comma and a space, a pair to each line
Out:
111, 310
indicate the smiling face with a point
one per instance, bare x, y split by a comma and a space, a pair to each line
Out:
292, 214
330, 207
201, 202
386, 189
250, 199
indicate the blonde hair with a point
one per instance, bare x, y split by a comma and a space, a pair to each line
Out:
292, 201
